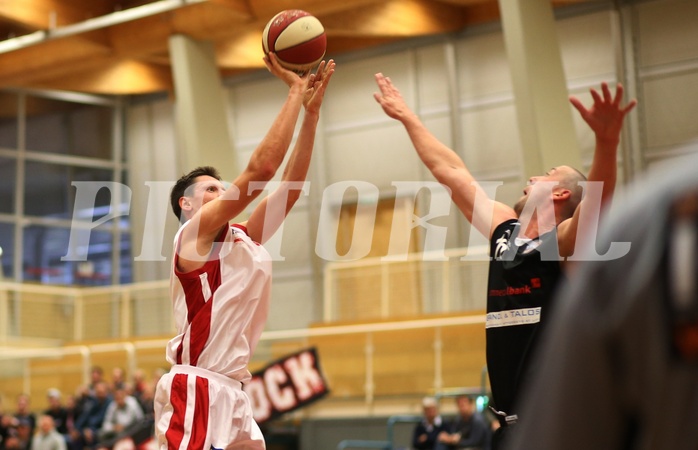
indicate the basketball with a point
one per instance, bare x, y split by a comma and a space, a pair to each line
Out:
297, 38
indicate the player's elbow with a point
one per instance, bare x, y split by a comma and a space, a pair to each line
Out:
262, 170
446, 175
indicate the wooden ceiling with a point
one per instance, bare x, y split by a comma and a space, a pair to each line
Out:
121, 46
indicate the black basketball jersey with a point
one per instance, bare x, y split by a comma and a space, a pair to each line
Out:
522, 279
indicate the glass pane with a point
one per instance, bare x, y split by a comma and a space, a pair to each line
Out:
66, 128
125, 260
96, 270
8, 120
7, 239
8, 177
45, 246
49, 192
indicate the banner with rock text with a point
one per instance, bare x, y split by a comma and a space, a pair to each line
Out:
287, 384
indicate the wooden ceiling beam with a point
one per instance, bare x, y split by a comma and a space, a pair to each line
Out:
469, 3
396, 18
212, 20
39, 14
140, 38
375, 24
114, 58
341, 44
242, 52
242, 7
100, 73
205, 21
485, 12
27, 63
265, 9
114, 77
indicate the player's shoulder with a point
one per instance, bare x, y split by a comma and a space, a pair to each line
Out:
505, 228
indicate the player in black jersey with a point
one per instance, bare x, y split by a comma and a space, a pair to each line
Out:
529, 241
621, 357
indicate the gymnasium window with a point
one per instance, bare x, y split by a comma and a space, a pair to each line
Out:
48, 141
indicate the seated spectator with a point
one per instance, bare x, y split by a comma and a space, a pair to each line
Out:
16, 430
11, 442
125, 423
24, 414
122, 413
118, 379
72, 414
24, 434
57, 411
64, 416
157, 374
468, 430
428, 429
146, 400
47, 437
5, 426
96, 377
87, 426
138, 384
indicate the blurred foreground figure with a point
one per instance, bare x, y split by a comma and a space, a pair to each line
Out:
619, 365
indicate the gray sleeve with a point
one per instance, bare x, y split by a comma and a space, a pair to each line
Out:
575, 383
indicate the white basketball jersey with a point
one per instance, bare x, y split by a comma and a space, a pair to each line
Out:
221, 308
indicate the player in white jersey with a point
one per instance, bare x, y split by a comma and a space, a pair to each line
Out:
221, 279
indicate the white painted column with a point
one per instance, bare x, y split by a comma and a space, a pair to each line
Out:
200, 108
540, 88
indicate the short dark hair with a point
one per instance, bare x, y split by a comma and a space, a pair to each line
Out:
187, 180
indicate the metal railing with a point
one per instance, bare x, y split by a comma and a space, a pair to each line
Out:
417, 283
389, 443
373, 378
54, 334
59, 314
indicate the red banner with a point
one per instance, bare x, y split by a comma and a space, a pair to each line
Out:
286, 384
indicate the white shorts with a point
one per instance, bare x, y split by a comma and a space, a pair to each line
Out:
196, 409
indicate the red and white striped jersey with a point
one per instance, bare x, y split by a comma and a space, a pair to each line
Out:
220, 309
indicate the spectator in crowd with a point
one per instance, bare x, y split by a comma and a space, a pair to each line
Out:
118, 379
16, 429
5, 426
468, 430
72, 414
138, 384
24, 434
428, 429
23, 414
123, 412
125, 423
57, 411
146, 399
96, 377
79, 401
90, 420
47, 436
11, 442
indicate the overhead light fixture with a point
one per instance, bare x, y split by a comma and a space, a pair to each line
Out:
26, 40
119, 17
96, 23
